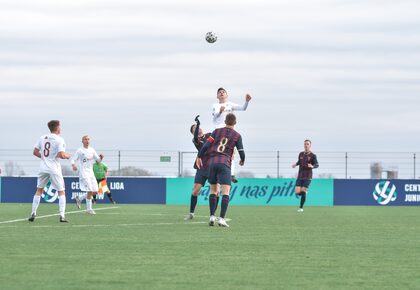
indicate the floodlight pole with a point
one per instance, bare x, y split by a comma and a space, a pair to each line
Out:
346, 158
414, 161
278, 164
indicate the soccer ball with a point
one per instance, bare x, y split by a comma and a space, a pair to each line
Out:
211, 37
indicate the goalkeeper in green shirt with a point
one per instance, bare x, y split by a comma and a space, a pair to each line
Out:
101, 171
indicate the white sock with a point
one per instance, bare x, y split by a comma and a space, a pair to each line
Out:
83, 197
62, 205
35, 203
88, 204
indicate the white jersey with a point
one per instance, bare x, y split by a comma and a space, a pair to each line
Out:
85, 158
219, 118
49, 145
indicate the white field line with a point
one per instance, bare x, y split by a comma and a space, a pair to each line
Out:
56, 214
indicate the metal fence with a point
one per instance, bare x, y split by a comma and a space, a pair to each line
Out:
261, 164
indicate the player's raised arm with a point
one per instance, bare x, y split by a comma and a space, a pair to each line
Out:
197, 129
236, 107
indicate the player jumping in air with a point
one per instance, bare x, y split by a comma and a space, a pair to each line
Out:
220, 146
50, 148
224, 107
85, 156
306, 162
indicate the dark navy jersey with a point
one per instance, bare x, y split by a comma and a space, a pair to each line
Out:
304, 159
198, 142
220, 146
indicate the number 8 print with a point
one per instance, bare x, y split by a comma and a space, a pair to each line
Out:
222, 145
47, 147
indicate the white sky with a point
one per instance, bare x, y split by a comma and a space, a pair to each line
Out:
133, 74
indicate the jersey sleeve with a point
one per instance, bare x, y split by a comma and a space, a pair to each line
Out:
38, 144
315, 161
239, 145
61, 146
298, 162
236, 107
105, 167
95, 155
75, 157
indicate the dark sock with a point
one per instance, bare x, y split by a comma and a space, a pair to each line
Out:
110, 197
217, 203
193, 203
302, 199
212, 203
225, 203
94, 197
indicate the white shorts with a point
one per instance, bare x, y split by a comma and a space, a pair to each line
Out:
88, 184
57, 180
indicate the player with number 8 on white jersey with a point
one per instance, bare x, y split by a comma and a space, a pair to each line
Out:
85, 157
49, 149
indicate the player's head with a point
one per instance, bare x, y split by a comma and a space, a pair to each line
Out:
86, 140
54, 126
222, 95
307, 144
192, 129
230, 120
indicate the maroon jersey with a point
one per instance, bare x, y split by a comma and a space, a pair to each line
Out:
220, 146
304, 159
198, 143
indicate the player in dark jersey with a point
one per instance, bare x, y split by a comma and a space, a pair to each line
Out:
201, 174
306, 162
219, 149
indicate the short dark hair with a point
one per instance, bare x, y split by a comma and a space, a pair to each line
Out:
230, 119
219, 89
53, 124
307, 140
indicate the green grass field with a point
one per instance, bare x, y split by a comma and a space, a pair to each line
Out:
151, 247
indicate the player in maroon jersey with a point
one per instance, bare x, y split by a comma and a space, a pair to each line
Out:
219, 149
306, 161
201, 174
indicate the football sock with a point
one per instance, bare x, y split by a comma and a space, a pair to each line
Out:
94, 197
35, 203
62, 204
193, 203
302, 199
217, 202
110, 197
212, 203
88, 204
225, 203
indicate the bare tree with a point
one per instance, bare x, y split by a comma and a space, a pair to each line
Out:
12, 168
245, 174
130, 171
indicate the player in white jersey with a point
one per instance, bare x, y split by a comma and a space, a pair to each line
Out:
221, 109
86, 156
50, 148
224, 107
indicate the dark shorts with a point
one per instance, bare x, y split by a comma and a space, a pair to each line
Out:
220, 174
303, 182
201, 176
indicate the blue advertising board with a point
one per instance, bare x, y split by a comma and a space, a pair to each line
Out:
124, 190
374, 192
